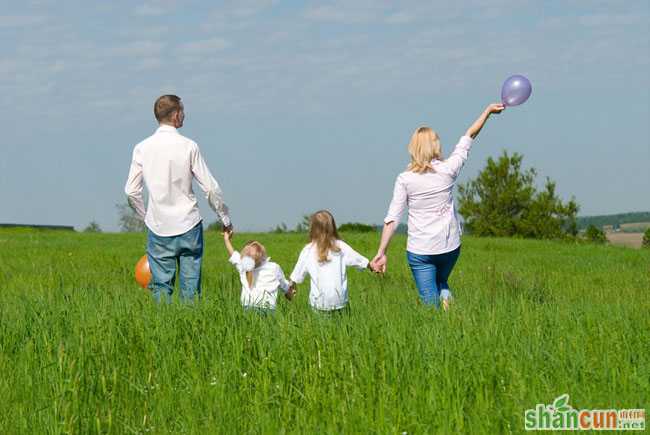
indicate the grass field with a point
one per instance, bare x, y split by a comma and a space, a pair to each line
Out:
83, 350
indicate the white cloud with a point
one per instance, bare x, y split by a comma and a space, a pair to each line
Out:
246, 8
337, 14
148, 63
138, 48
20, 20
235, 15
401, 17
155, 8
203, 46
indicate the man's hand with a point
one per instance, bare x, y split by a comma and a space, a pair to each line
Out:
228, 229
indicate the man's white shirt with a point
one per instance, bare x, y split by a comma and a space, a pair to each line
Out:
166, 162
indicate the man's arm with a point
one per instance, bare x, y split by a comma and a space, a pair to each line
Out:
135, 185
209, 185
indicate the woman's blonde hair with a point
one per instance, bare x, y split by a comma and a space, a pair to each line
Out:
257, 252
424, 147
322, 231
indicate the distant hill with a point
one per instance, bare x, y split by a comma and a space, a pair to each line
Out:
613, 219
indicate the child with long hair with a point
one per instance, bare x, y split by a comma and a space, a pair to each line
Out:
260, 277
325, 259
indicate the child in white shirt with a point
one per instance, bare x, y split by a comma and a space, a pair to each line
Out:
325, 259
260, 277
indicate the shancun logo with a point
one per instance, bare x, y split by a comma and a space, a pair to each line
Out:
561, 416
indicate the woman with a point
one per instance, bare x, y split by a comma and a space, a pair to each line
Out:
426, 188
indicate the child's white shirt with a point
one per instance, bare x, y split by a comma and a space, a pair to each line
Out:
329, 280
267, 278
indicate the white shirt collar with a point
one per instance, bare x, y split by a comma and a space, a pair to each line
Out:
264, 263
166, 127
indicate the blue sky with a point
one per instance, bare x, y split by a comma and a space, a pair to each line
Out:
299, 106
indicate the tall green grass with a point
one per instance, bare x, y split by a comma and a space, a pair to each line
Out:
84, 350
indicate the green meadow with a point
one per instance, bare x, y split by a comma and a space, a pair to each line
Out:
84, 350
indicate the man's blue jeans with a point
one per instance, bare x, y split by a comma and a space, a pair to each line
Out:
165, 253
431, 273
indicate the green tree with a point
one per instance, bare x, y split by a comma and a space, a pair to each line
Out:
503, 202
595, 234
281, 228
93, 227
356, 227
646, 238
130, 222
303, 225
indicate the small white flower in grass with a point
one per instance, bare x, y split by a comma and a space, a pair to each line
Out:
214, 381
247, 264
243, 375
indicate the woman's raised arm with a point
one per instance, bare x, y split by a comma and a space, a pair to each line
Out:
475, 128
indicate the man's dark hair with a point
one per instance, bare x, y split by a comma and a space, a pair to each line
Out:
165, 106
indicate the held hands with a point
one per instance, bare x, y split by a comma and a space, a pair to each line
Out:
227, 229
378, 264
291, 292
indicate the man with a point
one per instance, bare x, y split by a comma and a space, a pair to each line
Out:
166, 163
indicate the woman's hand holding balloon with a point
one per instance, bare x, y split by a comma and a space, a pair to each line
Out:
495, 108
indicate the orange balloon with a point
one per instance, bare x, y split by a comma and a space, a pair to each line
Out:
142, 272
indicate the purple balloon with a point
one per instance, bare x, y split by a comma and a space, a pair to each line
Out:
516, 90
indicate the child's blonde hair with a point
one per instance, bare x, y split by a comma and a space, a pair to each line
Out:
257, 252
424, 147
322, 231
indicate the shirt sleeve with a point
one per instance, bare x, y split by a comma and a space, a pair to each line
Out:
284, 284
398, 203
235, 260
352, 258
300, 270
135, 185
456, 160
209, 185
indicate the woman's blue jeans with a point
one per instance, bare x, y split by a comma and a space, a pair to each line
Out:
165, 253
431, 273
